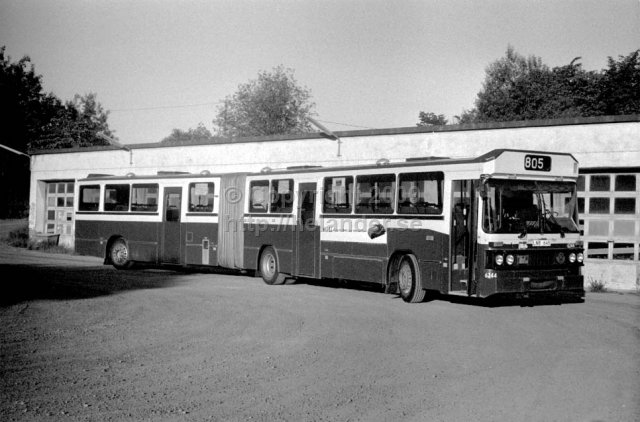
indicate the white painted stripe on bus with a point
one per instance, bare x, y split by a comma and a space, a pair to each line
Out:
138, 218
282, 220
352, 237
512, 238
349, 224
200, 219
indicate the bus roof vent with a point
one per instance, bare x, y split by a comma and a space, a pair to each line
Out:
382, 162
130, 174
91, 175
169, 173
265, 170
429, 158
205, 173
306, 166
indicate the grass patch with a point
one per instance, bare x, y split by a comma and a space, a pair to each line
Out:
597, 286
19, 238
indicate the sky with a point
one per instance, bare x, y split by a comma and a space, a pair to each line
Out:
157, 65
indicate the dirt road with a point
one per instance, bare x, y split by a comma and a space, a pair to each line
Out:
84, 342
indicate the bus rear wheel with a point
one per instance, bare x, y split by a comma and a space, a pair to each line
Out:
409, 281
269, 269
119, 254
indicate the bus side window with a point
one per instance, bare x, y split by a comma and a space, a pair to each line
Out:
282, 195
375, 193
259, 200
420, 193
201, 197
173, 207
144, 198
89, 198
338, 194
116, 197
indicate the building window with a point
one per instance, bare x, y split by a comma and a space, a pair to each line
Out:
600, 183
59, 211
626, 183
375, 194
623, 251
581, 205
624, 205
580, 184
598, 205
201, 196
598, 250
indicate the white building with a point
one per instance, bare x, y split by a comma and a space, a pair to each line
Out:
607, 148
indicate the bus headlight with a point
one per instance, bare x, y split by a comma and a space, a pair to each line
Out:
510, 259
499, 259
580, 257
572, 257
560, 258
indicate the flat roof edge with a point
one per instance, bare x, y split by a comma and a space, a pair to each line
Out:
629, 118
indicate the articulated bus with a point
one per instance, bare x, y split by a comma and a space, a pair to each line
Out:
502, 223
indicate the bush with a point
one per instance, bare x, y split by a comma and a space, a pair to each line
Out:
48, 247
597, 286
19, 238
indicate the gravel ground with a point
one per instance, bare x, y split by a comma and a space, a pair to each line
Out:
85, 342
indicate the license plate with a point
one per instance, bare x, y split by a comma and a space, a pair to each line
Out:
541, 242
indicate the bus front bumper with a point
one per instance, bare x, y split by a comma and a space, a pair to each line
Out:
513, 282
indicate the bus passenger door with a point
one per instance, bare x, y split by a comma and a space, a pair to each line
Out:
171, 236
461, 239
307, 241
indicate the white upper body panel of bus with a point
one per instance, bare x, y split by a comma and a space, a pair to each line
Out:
531, 165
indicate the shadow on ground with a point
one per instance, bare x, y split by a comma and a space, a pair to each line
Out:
23, 283
491, 302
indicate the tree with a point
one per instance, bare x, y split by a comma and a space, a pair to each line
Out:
619, 90
520, 88
32, 119
75, 125
199, 134
512, 85
431, 119
272, 104
23, 107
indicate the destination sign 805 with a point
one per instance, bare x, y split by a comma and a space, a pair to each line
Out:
537, 162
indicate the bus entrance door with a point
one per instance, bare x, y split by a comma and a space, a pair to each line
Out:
171, 237
460, 257
307, 243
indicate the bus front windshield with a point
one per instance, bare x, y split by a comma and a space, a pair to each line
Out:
518, 206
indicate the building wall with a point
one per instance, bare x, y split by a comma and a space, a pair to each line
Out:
611, 143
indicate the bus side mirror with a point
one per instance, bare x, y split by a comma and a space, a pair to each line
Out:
482, 191
376, 230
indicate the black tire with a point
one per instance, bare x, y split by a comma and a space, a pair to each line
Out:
269, 268
119, 254
409, 280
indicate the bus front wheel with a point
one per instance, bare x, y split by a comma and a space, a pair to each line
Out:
409, 281
269, 269
119, 254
